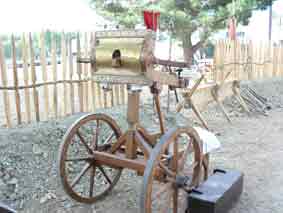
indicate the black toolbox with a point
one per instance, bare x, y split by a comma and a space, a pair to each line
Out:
217, 194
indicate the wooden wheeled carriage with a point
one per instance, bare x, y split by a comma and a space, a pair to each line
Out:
94, 151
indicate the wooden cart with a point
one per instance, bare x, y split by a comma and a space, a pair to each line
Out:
94, 150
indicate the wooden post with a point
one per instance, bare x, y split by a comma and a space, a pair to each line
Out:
64, 72
44, 73
79, 72
133, 119
6, 100
26, 77
16, 81
71, 74
33, 78
54, 71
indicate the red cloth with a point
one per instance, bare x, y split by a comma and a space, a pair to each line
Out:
151, 19
232, 29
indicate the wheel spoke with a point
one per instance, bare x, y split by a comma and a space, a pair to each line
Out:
89, 150
80, 159
186, 152
81, 174
95, 140
105, 174
108, 139
92, 174
175, 157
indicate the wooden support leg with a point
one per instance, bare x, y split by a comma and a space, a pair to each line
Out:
131, 145
160, 116
214, 93
198, 114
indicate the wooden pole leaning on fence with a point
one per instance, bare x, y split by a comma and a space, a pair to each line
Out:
16, 81
6, 100
33, 78
26, 77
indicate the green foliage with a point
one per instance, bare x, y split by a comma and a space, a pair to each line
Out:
204, 16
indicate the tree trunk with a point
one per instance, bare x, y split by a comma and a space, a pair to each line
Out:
188, 55
188, 51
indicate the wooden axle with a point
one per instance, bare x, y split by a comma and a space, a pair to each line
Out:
118, 160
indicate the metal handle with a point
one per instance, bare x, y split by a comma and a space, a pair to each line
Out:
86, 60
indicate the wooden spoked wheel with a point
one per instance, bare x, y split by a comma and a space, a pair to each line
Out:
82, 179
173, 169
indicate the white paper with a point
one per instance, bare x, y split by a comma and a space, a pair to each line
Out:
209, 140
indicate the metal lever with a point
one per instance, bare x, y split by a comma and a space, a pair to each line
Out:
86, 60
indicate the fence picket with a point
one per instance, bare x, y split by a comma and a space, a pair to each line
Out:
6, 99
54, 72
16, 81
79, 72
26, 77
44, 73
34, 78
71, 75
85, 74
92, 56
64, 73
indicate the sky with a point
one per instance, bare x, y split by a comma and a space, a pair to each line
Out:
258, 27
36, 15
73, 15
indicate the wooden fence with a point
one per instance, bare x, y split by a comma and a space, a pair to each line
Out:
39, 84
235, 60
42, 80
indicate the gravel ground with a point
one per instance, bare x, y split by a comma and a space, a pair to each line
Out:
251, 144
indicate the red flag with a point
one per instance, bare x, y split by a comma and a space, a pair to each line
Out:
232, 29
151, 19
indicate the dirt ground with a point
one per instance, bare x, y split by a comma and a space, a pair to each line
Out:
29, 179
